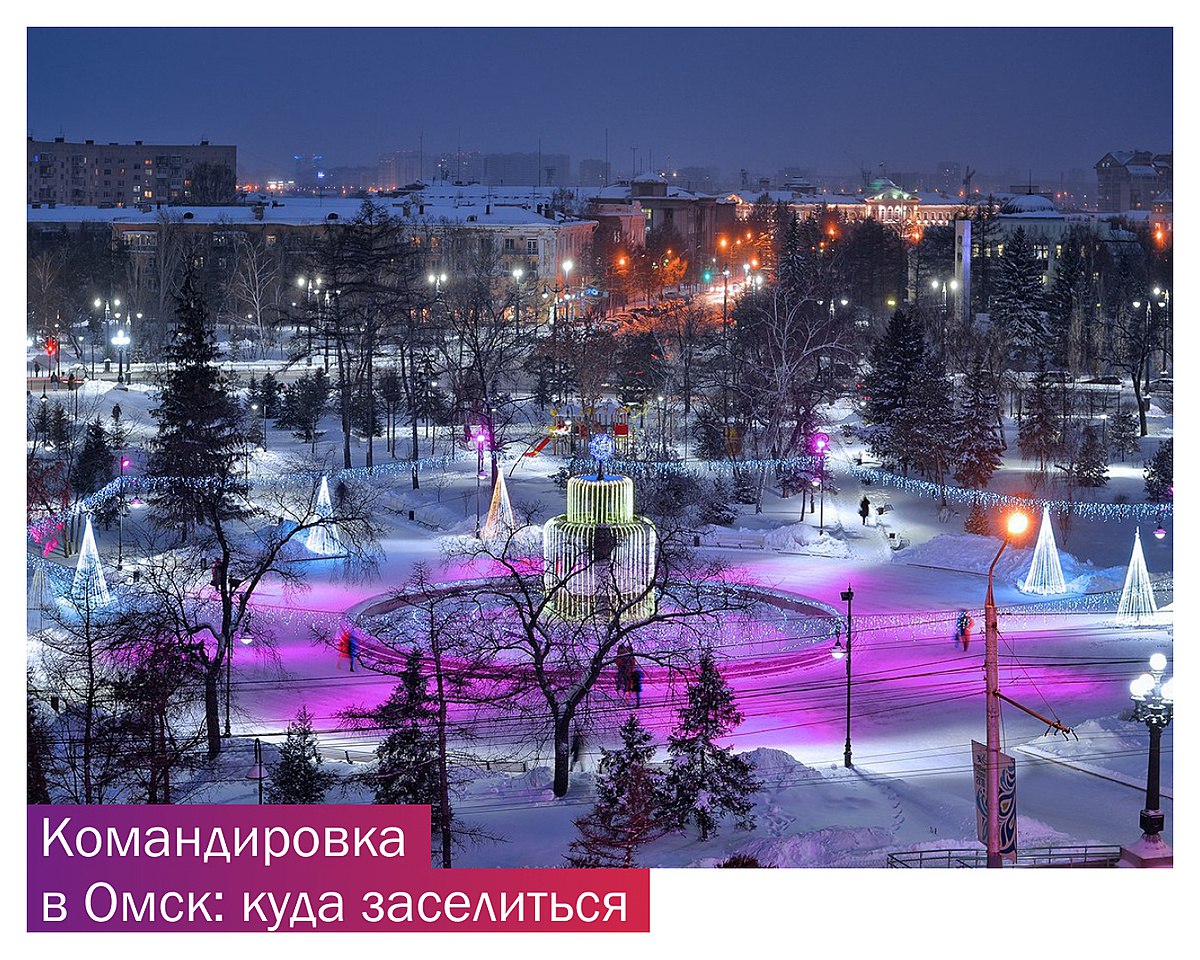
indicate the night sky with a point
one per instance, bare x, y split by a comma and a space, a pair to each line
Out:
826, 99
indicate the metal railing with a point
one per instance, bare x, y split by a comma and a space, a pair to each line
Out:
1080, 856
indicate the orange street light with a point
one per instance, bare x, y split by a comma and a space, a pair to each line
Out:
1018, 523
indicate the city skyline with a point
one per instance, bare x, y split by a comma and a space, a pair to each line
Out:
882, 96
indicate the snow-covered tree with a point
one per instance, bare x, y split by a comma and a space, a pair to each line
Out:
628, 813
298, 777
1040, 432
925, 424
1160, 473
978, 522
895, 358
1017, 302
94, 462
706, 782
977, 443
1124, 437
1091, 466
406, 768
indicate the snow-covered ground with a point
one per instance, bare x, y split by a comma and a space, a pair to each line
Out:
917, 696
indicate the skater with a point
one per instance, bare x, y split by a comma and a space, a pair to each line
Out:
864, 510
345, 648
624, 668
962, 629
636, 685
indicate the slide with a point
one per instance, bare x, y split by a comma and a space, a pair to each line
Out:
539, 447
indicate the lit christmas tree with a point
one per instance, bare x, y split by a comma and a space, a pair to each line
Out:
500, 520
1045, 572
1137, 598
89, 586
41, 594
324, 538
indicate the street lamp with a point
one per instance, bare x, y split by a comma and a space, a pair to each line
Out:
121, 515
246, 640
1016, 525
120, 341
480, 440
820, 443
838, 654
1153, 705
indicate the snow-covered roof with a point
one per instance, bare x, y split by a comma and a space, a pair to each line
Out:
463, 206
1141, 170
1030, 203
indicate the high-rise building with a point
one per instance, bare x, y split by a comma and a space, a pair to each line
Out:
399, 169
1131, 179
594, 173
121, 175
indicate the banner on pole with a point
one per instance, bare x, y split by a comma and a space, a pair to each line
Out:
1008, 800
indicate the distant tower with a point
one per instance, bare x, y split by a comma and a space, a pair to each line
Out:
89, 587
600, 558
1137, 597
1045, 572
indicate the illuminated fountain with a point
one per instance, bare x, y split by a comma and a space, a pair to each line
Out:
600, 557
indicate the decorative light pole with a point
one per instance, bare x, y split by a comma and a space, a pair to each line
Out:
838, 654
480, 441
120, 341
820, 443
121, 515
246, 641
1017, 524
1153, 705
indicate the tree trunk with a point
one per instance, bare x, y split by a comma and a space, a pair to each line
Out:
562, 753
1137, 394
212, 711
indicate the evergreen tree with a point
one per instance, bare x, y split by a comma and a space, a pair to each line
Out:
268, 398
894, 359
304, 403
1124, 437
1160, 473
298, 777
706, 781
94, 464
925, 424
60, 427
707, 431
1018, 299
628, 813
407, 759
978, 522
1040, 432
200, 430
1091, 467
977, 443
1062, 301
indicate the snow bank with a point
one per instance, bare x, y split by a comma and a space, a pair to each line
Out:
973, 554
805, 538
777, 768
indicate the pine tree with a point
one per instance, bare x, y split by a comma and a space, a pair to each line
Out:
978, 522
707, 430
1018, 299
200, 430
1040, 432
298, 777
304, 403
94, 464
925, 424
1160, 473
60, 427
707, 782
1091, 467
977, 444
406, 770
1124, 437
628, 813
1062, 300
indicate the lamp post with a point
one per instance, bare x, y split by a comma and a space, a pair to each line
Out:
838, 654
120, 341
480, 445
821, 448
1017, 524
517, 274
121, 516
1153, 705
246, 641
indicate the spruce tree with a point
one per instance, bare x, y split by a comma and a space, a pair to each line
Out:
298, 777
94, 464
1160, 473
977, 444
1017, 303
978, 522
628, 813
200, 429
406, 768
925, 424
304, 403
1039, 435
1124, 436
1091, 467
60, 427
706, 782
895, 358
1062, 300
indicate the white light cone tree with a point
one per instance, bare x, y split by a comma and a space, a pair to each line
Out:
89, 585
1137, 597
41, 594
1045, 572
325, 539
500, 520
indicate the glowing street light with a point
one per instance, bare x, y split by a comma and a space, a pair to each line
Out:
1153, 705
1016, 525
840, 653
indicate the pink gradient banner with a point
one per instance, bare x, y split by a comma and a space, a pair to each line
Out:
289, 868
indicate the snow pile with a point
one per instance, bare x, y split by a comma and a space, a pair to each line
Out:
806, 539
778, 769
973, 554
821, 848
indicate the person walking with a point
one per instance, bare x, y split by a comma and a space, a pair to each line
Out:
864, 510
